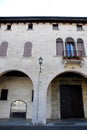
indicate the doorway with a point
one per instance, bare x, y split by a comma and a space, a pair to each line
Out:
71, 102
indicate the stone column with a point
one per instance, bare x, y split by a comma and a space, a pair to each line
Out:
35, 105
41, 100
55, 101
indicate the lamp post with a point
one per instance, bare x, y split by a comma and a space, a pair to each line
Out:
39, 83
40, 62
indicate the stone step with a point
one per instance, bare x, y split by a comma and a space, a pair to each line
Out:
43, 127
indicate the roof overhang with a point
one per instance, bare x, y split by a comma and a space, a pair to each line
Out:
42, 19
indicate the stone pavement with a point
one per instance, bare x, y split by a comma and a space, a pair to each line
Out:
22, 124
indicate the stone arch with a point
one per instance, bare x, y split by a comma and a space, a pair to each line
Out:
53, 103
72, 71
18, 69
19, 86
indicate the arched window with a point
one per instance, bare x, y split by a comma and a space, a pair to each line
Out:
70, 47
3, 48
80, 46
18, 109
27, 49
59, 46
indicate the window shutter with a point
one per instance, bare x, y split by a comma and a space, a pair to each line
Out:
3, 48
80, 47
27, 49
59, 47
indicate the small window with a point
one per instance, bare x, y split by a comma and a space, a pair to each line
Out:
30, 26
55, 26
79, 27
9, 27
32, 95
4, 94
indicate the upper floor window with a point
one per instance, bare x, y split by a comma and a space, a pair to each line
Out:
59, 46
80, 45
9, 27
79, 27
70, 47
55, 26
3, 48
30, 26
27, 49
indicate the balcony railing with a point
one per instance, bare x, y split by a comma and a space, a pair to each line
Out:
72, 55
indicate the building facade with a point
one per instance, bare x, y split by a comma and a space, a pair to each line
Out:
56, 87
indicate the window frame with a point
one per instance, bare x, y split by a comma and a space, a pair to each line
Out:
30, 26
4, 94
8, 27
70, 47
79, 27
55, 26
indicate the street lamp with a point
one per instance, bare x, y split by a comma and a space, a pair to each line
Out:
40, 62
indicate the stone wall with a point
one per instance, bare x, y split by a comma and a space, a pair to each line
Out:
43, 40
19, 88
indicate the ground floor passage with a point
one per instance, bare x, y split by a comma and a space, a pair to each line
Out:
16, 96
66, 97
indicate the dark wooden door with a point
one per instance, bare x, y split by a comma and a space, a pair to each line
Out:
71, 101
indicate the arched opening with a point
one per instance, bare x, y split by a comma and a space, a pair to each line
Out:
27, 49
59, 47
16, 94
66, 97
3, 48
70, 47
80, 46
18, 109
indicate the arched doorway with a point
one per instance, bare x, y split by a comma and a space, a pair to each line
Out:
18, 109
66, 97
71, 100
16, 86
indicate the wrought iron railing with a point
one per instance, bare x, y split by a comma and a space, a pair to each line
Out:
74, 55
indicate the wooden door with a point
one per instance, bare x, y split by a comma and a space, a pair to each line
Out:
71, 101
